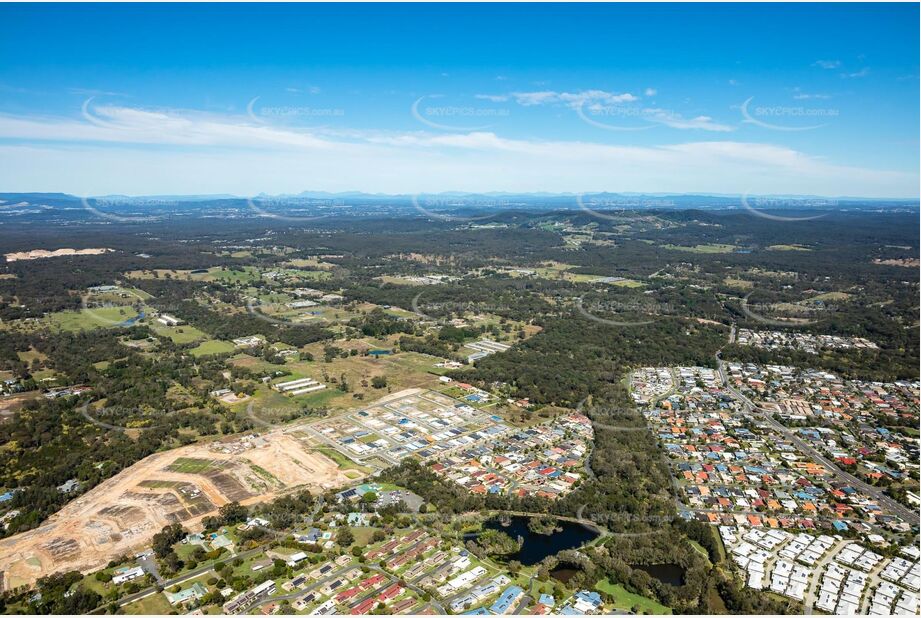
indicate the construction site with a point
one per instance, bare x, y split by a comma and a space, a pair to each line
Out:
120, 515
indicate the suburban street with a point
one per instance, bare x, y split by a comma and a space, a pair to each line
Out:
907, 514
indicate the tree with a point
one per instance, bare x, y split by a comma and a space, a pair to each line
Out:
233, 513
344, 538
164, 540
379, 382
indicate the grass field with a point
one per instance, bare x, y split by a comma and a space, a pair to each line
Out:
247, 274
88, 319
362, 534
311, 275
788, 248
560, 271
265, 474
714, 248
740, 284
256, 364
624, 599
212, 346
31, 355
830, 296
627, 283
159, 273
341, 460
269, 405
179, 334
413, 361
699, 549
189, 465
155, 604
318, 399
308, 263
359, 370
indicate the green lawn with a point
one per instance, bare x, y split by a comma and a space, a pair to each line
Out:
788, 248
179, 334
714, 248
154, 604
628, 283
830, 296
265, 474
190, 465
344, 462
268, 405
247, 275
318, 399
699, 549
624, 599
30, 355
86, 319
212, 346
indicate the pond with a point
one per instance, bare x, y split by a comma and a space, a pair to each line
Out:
666, 573
132, 321
563, 574
536, 547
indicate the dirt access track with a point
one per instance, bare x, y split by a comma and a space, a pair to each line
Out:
120, 515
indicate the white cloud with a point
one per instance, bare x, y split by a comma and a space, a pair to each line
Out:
799, 95
495, 98
135, 151
609, 116
651, 92
827, 64
861, 73
572, 99
677, 121
309, 89
91, 92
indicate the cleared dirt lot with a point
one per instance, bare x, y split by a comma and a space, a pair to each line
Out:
120, 515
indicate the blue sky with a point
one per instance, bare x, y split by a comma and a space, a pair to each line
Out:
141, 99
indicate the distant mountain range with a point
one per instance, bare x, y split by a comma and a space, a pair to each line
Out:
722, 198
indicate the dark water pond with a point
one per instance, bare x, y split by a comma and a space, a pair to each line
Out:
564, 574
132, 321
665, 573
536, 547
